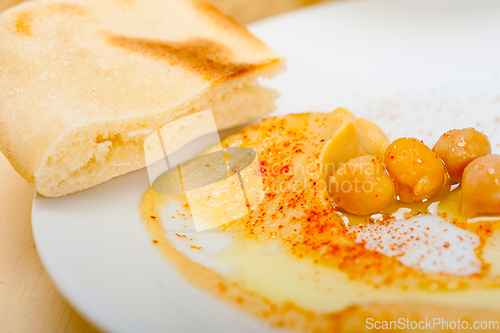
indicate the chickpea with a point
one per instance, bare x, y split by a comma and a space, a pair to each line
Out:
416, 169
481, 186
457, 148
362, 186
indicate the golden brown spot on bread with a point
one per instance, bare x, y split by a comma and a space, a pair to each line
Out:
24, 20
206, 58
23, 23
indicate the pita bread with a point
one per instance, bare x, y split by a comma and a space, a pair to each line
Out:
84, 82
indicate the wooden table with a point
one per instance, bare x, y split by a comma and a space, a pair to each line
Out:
29, 301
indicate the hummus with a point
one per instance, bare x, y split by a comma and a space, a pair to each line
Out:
298, 262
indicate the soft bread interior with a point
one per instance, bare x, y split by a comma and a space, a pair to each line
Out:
89, 155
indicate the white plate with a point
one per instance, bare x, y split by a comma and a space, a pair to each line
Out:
415, 67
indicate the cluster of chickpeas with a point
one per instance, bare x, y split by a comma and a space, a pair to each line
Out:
413, 173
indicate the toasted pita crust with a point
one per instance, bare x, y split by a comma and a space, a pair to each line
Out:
84, 82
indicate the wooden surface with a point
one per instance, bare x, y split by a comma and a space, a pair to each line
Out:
29, 301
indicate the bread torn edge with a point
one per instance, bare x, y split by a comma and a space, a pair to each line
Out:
93, 153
